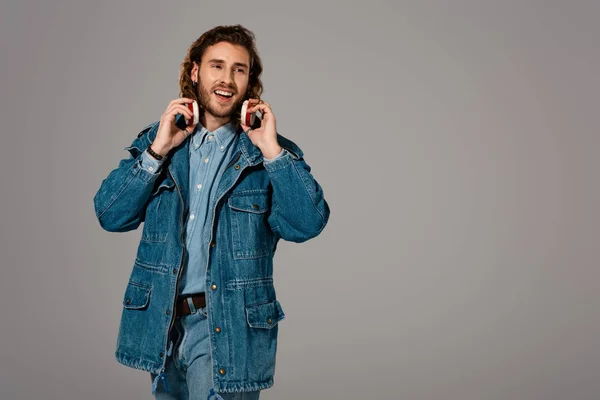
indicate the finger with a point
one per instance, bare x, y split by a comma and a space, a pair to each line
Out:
261, 102
181, 100
179, 109
264, 107
261, 105
171, 116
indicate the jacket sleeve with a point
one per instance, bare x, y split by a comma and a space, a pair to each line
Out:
121, 200
299, 211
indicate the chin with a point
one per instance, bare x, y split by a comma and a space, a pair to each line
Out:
229, 110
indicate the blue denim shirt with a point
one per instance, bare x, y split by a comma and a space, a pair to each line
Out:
256, 204
209, 152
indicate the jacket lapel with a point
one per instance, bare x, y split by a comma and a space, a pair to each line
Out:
248, 149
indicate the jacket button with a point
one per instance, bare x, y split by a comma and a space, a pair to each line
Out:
255, 206
174, 271
167, 312
213, 287
222, 371
217, 329
128, 301
268, 320
161, 355
236, 166
212, 244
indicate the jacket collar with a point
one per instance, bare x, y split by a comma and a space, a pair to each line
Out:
179, 163
248, 149
253, 153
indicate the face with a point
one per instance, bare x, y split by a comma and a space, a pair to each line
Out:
224, 66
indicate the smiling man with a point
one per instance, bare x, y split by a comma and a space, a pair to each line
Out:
200, 311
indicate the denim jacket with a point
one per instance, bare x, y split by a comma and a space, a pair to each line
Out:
256, 205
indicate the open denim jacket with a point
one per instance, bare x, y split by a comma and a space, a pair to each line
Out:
257, 204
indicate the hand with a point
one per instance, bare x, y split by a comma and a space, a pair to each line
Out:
265, 137
169, 135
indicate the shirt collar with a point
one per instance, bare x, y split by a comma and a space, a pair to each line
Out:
224, 135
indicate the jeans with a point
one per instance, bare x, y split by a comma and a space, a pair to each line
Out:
188, 368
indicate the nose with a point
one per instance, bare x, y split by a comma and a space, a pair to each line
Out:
227, 78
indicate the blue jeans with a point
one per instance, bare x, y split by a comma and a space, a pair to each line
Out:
188, 368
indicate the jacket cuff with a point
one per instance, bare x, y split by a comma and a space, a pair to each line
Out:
146, 167
282, 160
268, 160
150, 163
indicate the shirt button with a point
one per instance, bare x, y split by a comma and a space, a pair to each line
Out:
213, 287
206, 160
222, 371
150, 169
217, 329
210, 137
199, 186
222, 147
197, 145
192, 216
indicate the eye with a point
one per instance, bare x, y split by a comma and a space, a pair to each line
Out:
240, 70
216, 66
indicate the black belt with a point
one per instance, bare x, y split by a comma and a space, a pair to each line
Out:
183, 308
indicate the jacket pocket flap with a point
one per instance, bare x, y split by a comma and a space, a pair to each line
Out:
166, 183
136, 296
255, 203
264, 315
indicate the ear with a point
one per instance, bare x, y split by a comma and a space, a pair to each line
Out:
194, 72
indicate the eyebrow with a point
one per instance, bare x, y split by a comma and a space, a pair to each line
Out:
236, 64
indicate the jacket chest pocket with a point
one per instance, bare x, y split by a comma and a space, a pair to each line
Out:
250, 232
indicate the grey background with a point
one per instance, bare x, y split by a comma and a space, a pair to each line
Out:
457, 145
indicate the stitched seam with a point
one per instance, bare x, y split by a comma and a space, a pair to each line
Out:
284, 160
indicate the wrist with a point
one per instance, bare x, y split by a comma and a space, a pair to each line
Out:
271, 151
159, 149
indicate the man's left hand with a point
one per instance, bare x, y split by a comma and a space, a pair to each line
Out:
265, 137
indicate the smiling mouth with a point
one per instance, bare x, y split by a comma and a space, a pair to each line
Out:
223, 95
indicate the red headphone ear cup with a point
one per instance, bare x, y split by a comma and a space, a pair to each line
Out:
195, 109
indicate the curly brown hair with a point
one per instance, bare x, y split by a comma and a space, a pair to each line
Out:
234, 34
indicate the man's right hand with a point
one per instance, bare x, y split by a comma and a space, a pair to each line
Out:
169, 135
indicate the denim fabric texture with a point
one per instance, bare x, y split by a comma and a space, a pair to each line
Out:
255, 205
209, 153
188, 367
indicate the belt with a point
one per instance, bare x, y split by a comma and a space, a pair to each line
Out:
183, 308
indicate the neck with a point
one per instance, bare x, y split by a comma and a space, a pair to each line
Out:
212, 123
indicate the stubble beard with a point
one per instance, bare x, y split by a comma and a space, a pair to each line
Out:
204, 98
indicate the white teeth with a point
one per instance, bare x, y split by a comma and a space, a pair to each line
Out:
223, 93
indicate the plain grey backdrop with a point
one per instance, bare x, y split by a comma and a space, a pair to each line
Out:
457, 145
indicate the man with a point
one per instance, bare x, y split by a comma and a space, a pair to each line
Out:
200, 311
